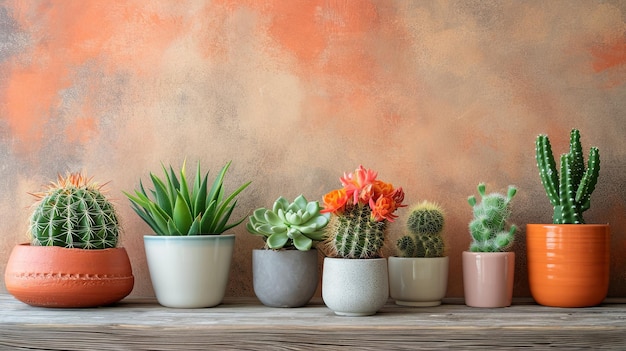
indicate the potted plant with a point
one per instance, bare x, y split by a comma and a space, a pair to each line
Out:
489, 265
355, 277
72, 259
568, 260
188, 259
285, 272
419, 275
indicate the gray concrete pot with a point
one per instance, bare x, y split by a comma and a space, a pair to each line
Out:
284, 278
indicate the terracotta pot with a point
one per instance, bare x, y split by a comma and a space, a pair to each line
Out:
418, 281
568, 264
49, 276
488, 278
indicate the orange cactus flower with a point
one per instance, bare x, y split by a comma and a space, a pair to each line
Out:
335, 201
382, 209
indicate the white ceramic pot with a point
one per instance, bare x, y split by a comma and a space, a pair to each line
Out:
189, 271
488, 278
355, 287
418, 281
284, 278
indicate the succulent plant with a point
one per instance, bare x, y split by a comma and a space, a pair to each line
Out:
424, 225
176, 207
74, 213
287, 225
570, 195
490, 216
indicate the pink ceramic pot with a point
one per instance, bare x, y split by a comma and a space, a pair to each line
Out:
488, 278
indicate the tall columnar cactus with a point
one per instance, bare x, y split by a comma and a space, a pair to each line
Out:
74, 213
490, 216
424, 226
570, 189
355, 235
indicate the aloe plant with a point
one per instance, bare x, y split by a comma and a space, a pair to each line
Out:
177, 207
289, 225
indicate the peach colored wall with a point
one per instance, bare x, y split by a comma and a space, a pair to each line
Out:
434, 95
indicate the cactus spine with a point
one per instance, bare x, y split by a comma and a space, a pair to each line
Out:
488, 226
74, 213
355, 235
425, 226
570, 195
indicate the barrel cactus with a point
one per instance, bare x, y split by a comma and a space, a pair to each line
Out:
360, 213
424, 226
289, 225
74, 213
570, 189
488, 226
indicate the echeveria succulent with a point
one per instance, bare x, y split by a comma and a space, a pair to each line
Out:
287, 225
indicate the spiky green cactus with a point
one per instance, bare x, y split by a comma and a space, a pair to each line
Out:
355, 235
74, 213
425, 226
490, 216
289, 225
570, 195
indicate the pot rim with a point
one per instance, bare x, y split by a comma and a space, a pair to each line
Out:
189, 237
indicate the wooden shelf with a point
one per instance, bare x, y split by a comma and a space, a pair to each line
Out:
244, 324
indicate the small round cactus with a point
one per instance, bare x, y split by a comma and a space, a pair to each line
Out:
425, 226
74, 213
490, 216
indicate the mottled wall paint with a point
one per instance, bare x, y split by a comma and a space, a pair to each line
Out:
435, 95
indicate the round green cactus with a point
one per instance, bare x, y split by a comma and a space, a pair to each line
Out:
74, 213
490, 216
288, 225
355, 235
425, 225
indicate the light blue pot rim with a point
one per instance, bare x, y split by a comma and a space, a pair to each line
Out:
222, 237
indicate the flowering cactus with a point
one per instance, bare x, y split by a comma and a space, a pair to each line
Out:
360, 212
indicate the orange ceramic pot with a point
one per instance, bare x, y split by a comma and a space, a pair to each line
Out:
49, 276
568, 264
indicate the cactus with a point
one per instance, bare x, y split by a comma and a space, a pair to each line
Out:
570, 195
74, 213
488, 226
355, 235
425, 226
289, 225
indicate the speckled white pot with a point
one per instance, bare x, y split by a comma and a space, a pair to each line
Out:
355, 287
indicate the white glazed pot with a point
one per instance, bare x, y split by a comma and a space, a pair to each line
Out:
418, 281
355, 287
189, 271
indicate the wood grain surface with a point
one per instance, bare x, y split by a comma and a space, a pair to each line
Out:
244, 324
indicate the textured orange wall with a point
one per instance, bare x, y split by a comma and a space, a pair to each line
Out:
435, 95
